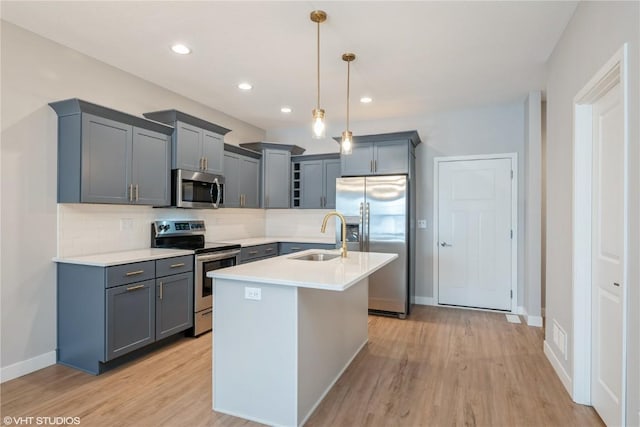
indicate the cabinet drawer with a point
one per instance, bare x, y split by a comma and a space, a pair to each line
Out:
167, 266
259, 251
289, 248
129, 273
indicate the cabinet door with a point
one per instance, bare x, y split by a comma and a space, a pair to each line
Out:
174, 304
232, 180
311, 183
130, 317
250, 181
331, 172
188, 147
151, 168
106, 160
391, 157
213, 152
277, 173
359, 162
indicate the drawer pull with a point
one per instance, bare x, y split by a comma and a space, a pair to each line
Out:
269, 250
180, 264
133, 288
134, 273
253, 252
295, 248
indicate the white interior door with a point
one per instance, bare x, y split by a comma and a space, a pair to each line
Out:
474, 233
607, 231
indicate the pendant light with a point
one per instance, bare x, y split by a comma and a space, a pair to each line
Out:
319, 128
346, 145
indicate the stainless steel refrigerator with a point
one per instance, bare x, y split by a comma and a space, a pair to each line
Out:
378, 214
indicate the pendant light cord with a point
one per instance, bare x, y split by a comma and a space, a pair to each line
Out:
318, 62
348, 80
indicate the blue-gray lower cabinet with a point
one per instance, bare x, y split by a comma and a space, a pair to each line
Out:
107, 312
130, 317
174, 304
290, 247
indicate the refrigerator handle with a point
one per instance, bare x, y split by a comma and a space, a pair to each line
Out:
361, 230
366, 219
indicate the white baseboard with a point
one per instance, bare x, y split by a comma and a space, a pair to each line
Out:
27, 366
557, 366
423, 300
531, 320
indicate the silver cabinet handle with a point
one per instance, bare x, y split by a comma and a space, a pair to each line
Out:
375, 166
137, 194
295, 248
269, 250
133, 288
161, 286
370, 165
134, 273
253, 252
130, 192
445, 244
206, 163
266, 202
180, 264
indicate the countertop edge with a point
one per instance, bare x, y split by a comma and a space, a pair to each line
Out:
119, 258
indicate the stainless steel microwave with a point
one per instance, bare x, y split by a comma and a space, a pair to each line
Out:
196, 189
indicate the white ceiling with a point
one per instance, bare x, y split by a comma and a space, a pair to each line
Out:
413, 58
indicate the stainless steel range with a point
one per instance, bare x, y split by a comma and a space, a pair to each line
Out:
189, 234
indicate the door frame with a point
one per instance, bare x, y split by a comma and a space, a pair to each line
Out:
614, 71
514, 221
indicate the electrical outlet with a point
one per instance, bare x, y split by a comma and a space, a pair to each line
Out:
422, 223
253, 293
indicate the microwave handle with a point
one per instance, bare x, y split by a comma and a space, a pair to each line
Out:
219, 191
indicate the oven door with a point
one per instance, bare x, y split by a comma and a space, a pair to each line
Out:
203, 284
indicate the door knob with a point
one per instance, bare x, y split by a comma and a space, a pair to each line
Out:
444, 244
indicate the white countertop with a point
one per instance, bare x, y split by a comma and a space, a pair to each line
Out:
335, 274
125, 257
253, 241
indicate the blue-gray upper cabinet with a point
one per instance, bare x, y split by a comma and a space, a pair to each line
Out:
198, 145
384, 154
276, 173
314, 181
106, 156
275, 176
242, 178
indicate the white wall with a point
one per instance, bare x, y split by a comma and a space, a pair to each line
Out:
533, 209
36, 71
596, 31
486, 130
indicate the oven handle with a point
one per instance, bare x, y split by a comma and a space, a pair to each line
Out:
217, 255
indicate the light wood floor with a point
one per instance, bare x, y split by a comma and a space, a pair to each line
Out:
440, 367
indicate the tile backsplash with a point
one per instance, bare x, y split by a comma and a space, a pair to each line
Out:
85, 229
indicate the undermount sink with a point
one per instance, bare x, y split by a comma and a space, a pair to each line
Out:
316, 256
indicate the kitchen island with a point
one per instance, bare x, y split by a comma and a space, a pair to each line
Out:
285, 329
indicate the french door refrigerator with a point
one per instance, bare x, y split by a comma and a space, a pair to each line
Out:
377, 210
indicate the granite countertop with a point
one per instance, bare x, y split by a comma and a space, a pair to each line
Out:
124, 257
336, 274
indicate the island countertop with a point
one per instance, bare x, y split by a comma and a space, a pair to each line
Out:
336, 274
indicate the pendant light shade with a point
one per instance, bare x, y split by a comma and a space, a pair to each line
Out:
346, 145
319, 128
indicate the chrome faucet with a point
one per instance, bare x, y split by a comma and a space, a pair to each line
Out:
343, 249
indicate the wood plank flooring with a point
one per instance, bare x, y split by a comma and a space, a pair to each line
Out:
440, 367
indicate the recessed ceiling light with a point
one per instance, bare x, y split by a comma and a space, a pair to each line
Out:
366, 99
286, 110
180, 49
245, 86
